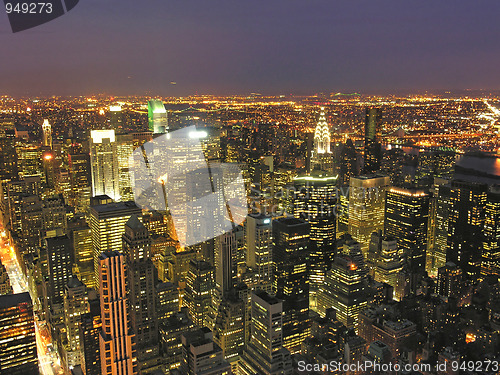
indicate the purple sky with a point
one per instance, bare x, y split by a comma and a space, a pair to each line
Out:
241, 46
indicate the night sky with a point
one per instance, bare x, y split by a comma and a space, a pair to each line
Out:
121, 47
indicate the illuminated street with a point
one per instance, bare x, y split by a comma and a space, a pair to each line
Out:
48, 360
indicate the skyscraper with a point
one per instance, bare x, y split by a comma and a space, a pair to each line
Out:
345, 290
117, 340
47, 134
198, 293
59, 267
107, 223
18, 352
348, 162
321, 156
386, 260
81, 237
265, 353
465, 225
200, 355
79, 171
104, 164
124, 149
258, 229
75, 305
366, 207
90, 329
439, 212
141, 293
406, 218
115, 117
373, 135
290, 254
491, 246
315, 201
157, 117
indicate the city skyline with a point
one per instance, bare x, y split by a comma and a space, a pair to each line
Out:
221, 187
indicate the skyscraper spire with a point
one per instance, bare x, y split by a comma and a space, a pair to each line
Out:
322, 135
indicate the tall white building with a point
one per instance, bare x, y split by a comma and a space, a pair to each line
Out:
104, 164
47, 133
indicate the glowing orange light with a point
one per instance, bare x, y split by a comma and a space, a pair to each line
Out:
163, 179
101, 112
470, 337
353, 267
48, 157
28, 109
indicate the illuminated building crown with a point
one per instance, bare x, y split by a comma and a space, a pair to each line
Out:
322, 135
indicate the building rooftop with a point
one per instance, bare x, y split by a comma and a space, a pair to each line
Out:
10, 300
115, 206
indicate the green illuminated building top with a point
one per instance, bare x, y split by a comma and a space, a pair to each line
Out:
157, 117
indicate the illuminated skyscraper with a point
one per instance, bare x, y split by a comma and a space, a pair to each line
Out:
373, 135
366, 207
29, 161
322, 135
198, 293
386, 261
290, 254
465, 225
229, 327
79, 171
491, 245
265, 353
345, 290
124, 149
75, 305
321, 155
157, 117
439, 212
59, 267
141, 293
115, 117
81, 237
104, 164
406, 218
315, 201
18, 351
117, 341
107, 223
90, 329
47, 134
258, 229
